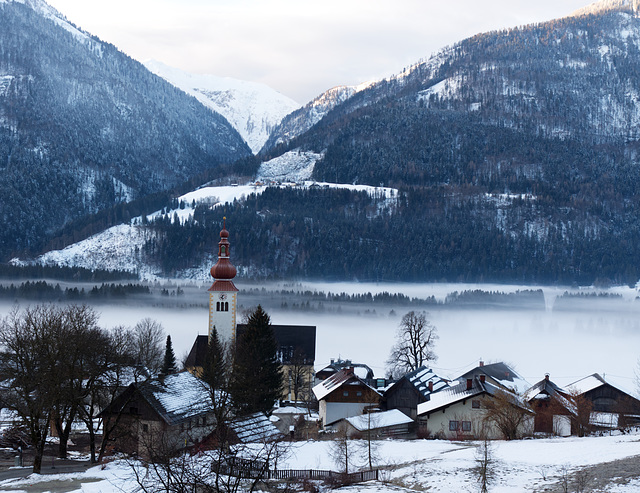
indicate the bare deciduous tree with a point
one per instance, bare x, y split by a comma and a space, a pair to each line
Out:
148, 344
48, 355
341, 447
507, 413
224, 469
485, 464
414, 344
581, 416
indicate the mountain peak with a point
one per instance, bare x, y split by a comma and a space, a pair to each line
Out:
631, 6
253, 108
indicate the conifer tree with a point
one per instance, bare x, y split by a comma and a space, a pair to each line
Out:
256, 380
169, 366
215, 374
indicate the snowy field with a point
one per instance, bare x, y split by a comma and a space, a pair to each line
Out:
420, 465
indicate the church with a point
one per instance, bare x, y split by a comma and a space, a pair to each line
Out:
296, 343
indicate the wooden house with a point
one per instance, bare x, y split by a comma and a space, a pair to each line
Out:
160, 415
553, 406
412, 389
343, 395
610, 406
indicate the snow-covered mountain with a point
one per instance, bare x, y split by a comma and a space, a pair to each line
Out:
253, 109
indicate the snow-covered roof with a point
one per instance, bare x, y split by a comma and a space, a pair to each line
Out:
256, 428
461, 391
177, 397
450, 395
502, 374
290, 410
587, 384
374, 421
337, 380
421, 378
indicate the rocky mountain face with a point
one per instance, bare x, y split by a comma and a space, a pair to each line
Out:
299, 121
83, 126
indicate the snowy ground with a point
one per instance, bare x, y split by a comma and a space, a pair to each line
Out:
420, 465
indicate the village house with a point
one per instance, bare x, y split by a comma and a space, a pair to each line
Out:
343, 395
554, 408
459, 412
412, 389
162, 414
611, 407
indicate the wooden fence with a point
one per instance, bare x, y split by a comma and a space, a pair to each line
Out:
250, 471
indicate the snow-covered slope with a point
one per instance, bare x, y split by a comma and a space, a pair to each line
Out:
292, 166
49, 12
253, 109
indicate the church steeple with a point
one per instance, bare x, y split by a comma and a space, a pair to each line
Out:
223, 293
223, 269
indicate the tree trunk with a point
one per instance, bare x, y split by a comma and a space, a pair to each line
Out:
64, 430
39, 453
92, 441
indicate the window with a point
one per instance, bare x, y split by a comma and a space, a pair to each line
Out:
133, 410
226, 306
145, 428
204, 421
217, 306
359, 393
346, 393
453, 425
466, 426
475, 404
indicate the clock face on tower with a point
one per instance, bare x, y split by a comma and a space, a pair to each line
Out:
222, 296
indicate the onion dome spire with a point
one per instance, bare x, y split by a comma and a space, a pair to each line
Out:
223, 269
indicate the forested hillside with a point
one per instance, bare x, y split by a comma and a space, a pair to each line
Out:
83, 126
516, 153
425, 235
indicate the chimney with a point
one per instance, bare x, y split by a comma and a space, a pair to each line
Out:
482, 378
546, 377
481, 364
469, 383
430, 386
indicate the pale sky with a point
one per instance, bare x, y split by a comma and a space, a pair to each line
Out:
298, 47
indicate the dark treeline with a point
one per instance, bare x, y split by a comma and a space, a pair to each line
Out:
315, 300
63, 273
44, 291
437, 234
569, 301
